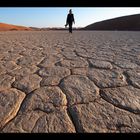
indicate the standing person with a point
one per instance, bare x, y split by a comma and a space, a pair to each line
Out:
70, 20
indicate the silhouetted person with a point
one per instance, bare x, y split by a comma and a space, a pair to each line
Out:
70, 20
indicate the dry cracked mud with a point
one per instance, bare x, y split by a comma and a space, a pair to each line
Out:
54, 82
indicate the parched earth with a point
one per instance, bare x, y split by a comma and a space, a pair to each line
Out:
54, 82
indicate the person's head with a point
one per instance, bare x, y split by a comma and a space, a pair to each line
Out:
70, 11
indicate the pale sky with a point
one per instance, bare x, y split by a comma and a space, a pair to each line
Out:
56, 16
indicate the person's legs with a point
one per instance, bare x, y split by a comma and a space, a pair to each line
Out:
70, 27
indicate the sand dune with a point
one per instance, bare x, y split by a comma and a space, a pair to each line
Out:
131, 22
10, 27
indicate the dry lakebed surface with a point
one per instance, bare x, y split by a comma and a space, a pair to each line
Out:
56, 82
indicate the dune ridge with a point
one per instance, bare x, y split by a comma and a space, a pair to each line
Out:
125, 23
10, 27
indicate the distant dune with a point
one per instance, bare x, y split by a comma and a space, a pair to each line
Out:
131, 22
35, 28
10, 27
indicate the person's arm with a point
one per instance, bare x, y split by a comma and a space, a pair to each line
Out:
73, 19
67, 20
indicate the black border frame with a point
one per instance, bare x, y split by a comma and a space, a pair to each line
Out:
69, 3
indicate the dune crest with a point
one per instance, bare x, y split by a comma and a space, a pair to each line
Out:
10, 27
124, 23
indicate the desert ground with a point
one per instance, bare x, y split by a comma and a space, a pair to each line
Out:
56, 82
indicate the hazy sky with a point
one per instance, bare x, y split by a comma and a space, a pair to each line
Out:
56, 17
